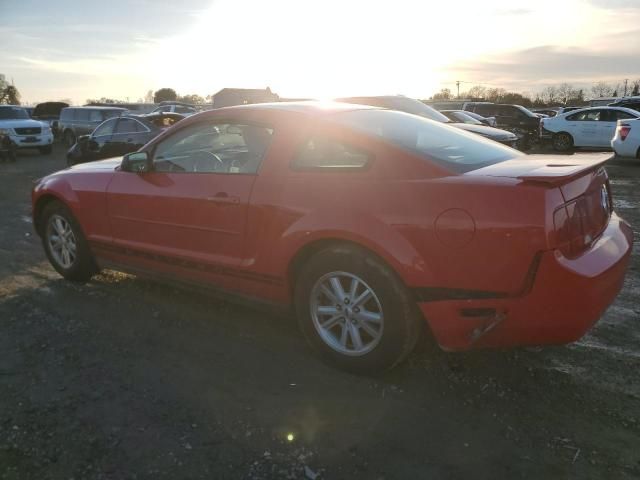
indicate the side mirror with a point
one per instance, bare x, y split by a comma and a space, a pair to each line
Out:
136, 162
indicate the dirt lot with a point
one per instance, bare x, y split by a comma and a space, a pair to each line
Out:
125, 378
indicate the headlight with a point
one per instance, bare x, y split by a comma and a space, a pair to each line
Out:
6, 131
46, 129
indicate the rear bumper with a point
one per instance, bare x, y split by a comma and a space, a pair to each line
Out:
566, 298
624, 149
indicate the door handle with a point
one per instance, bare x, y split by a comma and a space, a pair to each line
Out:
223, 198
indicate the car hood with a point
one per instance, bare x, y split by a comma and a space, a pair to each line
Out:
13, 123
99, 166
493, 133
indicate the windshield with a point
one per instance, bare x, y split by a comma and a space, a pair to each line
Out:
416, 107
13, 113
455, 149
466, 118
526, 111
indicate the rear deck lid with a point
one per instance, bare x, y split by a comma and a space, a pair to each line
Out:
552, 170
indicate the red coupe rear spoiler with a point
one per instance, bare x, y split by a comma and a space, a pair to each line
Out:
552, 170
559, 171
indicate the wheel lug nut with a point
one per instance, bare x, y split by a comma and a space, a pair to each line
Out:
356, 310
346, 301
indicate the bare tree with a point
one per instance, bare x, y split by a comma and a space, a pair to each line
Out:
549, 95
477, 91
10, 95
601, 89
566, 93
443, 94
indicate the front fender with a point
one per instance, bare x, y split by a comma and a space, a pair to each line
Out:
48, 189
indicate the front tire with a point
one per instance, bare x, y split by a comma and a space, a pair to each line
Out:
354, 311
65, 244
69, 138
562, 142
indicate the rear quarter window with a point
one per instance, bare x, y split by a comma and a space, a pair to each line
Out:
454, 149
324, 153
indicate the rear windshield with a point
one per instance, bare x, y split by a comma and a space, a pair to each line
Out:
454, 149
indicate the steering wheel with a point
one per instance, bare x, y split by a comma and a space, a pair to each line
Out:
204, 161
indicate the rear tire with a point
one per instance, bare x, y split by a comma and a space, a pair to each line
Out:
380, 319
65, 244
562, 142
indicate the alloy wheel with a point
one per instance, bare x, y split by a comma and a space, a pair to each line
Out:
62, 241
346, 313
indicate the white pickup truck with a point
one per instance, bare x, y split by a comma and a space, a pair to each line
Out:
23, 131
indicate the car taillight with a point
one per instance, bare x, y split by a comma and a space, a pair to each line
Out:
578, 223
623, 130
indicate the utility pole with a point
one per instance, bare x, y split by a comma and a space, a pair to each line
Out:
458, 85
626, 80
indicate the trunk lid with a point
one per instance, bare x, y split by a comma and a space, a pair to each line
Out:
583, 211
552, 170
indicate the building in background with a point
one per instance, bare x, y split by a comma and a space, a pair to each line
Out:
228, 97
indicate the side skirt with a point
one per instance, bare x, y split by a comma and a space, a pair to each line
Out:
205, 289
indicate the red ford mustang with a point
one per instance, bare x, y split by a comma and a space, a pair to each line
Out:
368, 222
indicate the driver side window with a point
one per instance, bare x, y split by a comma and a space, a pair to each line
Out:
214, 148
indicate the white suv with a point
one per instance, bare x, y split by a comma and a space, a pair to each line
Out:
23, 131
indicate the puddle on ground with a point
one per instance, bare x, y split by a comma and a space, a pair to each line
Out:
617, 203
595, 345
621, 182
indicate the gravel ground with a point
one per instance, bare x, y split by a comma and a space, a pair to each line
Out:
124, 378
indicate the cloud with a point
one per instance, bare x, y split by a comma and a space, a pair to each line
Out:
554, 64
514, 11
615, 4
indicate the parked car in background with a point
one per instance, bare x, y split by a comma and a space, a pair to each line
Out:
416, 107
488, 121
626, 141
514, 118
587, 127
7, 147
446, 104
23, 131
119, 135
135, 108
603, 101
49, 112
470, 118
549, 112
367, 223
76, 121
628, 102
568, 109
175, 107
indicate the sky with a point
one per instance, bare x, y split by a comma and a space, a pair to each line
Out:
121, 49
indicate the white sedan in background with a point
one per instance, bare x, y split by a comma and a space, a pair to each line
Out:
626, 142
587, 127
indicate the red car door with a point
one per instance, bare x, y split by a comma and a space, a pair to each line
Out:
188, 215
